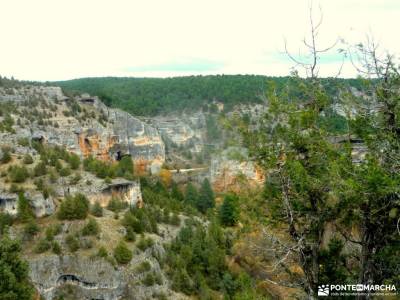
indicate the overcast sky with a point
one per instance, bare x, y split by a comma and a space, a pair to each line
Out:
65, 39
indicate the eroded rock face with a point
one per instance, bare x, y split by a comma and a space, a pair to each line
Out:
41, 207
8, 203
230, 167
108, 136
183, 131
96, 278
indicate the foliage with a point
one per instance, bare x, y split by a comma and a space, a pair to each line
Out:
73, 208
196, 260
14, 274
97, 210
116, 204
18, 174
205, 199
6, 220
229, 211
122, 254
72, 243
24, 208
91, 228
152, 96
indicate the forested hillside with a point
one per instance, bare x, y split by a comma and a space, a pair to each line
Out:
152, 96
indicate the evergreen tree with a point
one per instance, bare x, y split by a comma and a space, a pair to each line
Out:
229, 211
14, 274
24, 208
176, 192
191, 194
206, 197
122, 253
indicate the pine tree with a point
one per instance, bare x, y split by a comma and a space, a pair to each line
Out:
191, 194
229, 211
176, 192
14, 276
24, 208
122, 253
206, 197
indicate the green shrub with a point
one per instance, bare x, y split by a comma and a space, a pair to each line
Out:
72, 243
145, 243
30, 230
91, 228
130, 235
74, 208
6, 220
56, 248
24, 208
122, 254
6, 158
144, 267
116, 204
75, 179
40, 169
27, 159
149, 279
102, 252
42, 246
74, 161
97, 210
64, 172
18, 174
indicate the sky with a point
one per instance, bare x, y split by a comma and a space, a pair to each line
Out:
50, 40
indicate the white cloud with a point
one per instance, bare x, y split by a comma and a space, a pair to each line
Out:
62, 39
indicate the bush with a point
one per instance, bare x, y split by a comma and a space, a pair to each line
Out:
64, 172
74, 161
145, 243
6, 220
74, 208
229, 212
116, 204
91, 228
122, 253
74, 180
40, 169
102, 252
24, 208
149, 279
42, 246
53, 231
30, 230
144, 267
18, 174
97, 210
56, 248
72, 243
130, 235
6, 157
27, 159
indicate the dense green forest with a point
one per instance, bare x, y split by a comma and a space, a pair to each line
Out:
152, 96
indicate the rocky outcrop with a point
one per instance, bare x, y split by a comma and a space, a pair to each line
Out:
8, 203
183, 131
96, 278
40, 205
232, 166
104, 133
